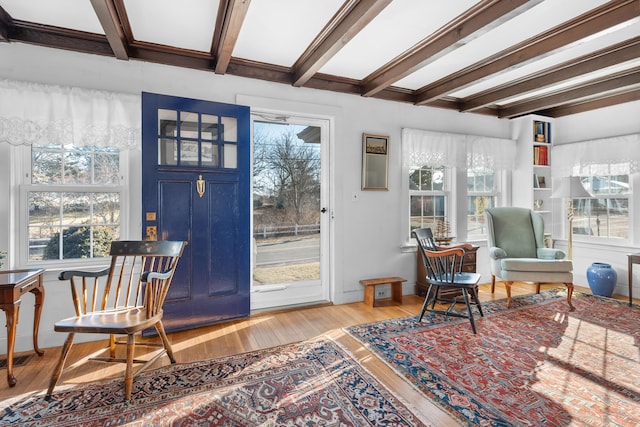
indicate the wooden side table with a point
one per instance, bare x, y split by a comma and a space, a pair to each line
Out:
633, 259
14, 284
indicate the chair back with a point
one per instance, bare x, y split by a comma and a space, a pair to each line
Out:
516, 230
139, 274
440, 265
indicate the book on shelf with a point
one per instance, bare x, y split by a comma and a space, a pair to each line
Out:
541, 131
541, 155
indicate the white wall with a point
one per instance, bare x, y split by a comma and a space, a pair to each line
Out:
368, 235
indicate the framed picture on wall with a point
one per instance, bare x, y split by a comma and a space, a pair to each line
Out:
375, 162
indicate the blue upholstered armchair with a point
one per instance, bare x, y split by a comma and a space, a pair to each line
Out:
517, 252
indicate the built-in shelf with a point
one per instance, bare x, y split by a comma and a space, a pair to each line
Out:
532, 178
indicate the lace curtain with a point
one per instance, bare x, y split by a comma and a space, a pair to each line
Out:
33, 113
617, 155
427, 148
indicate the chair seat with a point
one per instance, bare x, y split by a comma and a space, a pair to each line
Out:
536, 265
125, 321
460, 279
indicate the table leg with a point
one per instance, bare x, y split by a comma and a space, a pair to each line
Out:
39, 297
11, 311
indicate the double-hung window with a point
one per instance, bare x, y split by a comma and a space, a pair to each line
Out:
428, 194
73, 202
438, 164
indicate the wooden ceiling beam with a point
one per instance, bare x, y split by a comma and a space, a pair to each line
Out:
231, 14
480, 18
5, 24
593, 104
353, 16
607, 85
609, 56
60, 38
602, 18
112, 26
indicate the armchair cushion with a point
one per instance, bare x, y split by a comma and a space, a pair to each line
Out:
536, 264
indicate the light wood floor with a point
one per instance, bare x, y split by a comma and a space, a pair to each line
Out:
260, 331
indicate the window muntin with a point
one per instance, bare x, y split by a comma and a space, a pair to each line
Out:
606, 214
73, 202
427, 196
481, 194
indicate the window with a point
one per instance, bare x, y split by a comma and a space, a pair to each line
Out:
438, 164
481, 194
74, 202
428, 198
606, 214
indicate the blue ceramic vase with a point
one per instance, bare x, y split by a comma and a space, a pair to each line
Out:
602, 279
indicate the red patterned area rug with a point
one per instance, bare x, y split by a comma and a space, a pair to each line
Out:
534, 364
313, 383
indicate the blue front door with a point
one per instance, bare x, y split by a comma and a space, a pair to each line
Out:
196, 173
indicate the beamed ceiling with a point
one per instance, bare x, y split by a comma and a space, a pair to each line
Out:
497, 57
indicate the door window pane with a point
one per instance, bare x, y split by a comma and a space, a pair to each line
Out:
230, 156
189, 153
209, 127
167, 120
209, 154
167, 152
188, 125
230, 129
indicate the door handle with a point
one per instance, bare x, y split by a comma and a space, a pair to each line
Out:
323, 210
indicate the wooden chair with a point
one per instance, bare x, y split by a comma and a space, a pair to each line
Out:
124, 299
444, 270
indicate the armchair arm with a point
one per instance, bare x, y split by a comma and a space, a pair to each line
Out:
68, 274
550, 253
497, 253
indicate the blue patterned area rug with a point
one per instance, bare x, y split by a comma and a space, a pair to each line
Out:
534, 364
312, 383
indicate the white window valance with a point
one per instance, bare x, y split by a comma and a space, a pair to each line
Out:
33, 113
428, 148
616, 155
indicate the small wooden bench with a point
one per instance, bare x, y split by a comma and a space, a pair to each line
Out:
370, 289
